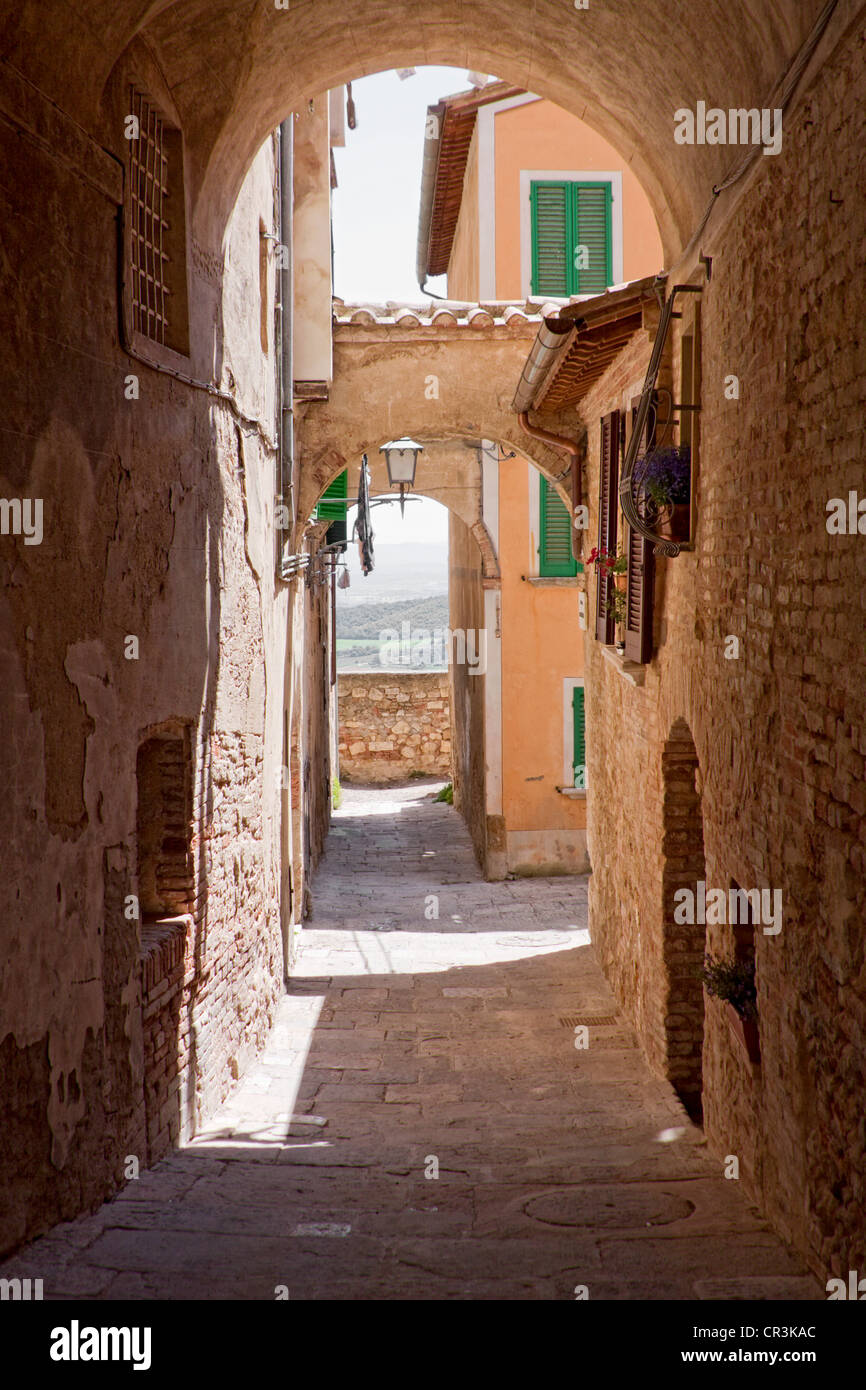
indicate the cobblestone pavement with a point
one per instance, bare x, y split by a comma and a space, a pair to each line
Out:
411, 1044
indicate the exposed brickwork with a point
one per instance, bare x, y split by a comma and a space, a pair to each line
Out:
163, 825
684, 943
393, 724
778, 730
166, 1040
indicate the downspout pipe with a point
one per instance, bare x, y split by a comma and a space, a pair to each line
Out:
553, 335
559, 441
286, 473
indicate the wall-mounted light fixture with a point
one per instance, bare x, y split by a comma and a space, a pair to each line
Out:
401, 458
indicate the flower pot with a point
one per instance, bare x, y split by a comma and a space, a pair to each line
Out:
674, 526
745, 1030
620, 582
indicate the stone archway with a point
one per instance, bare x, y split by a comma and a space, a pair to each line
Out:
623, 77
449, 376
683, 944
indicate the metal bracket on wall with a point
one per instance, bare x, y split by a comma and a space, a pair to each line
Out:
661, 545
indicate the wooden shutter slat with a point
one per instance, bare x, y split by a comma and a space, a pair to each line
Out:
555, 552
641, 577
578, 708
334, 500
549, 202
592, 229
607, 520
564, 216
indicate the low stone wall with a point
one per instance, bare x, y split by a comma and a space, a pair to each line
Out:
393, 724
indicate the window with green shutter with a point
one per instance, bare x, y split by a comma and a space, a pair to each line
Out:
571, 237
578, 714
333, 505
554, 550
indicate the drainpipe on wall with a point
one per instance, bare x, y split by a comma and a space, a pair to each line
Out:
573, 450
286, 466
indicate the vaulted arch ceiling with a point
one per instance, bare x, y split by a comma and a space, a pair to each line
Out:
236, 67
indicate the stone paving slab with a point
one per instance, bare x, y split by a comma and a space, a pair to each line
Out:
433, 1046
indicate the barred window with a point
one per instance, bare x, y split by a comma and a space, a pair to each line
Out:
157, 242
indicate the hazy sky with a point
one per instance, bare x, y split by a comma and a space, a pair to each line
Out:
410, 556
379, 184
375, 210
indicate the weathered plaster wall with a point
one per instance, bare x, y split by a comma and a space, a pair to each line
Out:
312, 242
158, 521
778, 730
448, 381
466, 614
542, 645
393, 724
542, 136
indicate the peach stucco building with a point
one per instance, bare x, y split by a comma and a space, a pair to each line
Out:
522, 201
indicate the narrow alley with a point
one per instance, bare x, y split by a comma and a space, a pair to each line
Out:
422, 1124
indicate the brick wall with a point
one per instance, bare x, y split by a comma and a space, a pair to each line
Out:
165, 1033
778, 731
392, 725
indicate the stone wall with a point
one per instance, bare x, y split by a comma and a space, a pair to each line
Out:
393, 724
778, 728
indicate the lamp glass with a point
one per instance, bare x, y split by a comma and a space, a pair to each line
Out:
401, 457
401, 465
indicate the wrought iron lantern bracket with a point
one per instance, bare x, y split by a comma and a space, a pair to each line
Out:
662, 546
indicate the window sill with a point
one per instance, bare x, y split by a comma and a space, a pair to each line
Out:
163, 948
160, 354
557, 581
632, 671
574, 793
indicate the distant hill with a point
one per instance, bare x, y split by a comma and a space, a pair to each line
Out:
363, 643
400, 571
370, 619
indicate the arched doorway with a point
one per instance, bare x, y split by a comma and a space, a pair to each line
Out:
683, 943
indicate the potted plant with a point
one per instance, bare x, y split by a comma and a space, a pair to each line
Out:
616, 607
664, 490
733, 981
614, 567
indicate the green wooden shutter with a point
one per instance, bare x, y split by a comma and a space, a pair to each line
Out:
566, 216
591, 227
554, 550
578, 713
332, 504
549, 203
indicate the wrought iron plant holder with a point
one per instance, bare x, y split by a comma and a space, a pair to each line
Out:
640, 509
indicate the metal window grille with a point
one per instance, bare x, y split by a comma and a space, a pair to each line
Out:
149, 225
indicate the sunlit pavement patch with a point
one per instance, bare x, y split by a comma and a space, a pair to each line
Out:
546, 940
321, 1228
